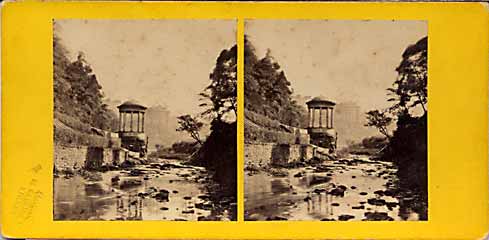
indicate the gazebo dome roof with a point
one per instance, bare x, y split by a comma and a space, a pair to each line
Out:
320, 101
131, 105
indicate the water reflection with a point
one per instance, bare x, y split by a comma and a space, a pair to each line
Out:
93, 189
342, 190
319, 205
279, 186
143, 193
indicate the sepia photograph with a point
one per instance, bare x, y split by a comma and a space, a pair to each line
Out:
145, 120
335, 120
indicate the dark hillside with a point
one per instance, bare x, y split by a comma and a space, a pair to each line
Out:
78, 99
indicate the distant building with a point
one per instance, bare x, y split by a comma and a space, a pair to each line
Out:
162, 130
348, 112
349, 123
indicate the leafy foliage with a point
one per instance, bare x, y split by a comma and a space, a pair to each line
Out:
218, 152
255, 133
409, 90
380, 120
222, 91
374, 142
267, 90
263, 121
190, 125
184, 147
70, 132
77, 92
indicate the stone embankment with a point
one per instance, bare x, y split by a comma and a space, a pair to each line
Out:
72, 158
273, 154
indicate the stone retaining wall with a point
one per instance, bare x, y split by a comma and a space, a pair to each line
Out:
258, 154
74, 158
69, 158
263, 154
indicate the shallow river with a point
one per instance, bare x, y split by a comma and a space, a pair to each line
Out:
165, 190
348, 189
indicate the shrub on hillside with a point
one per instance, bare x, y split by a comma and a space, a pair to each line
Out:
70, 137
263, 121
375, 142
72, 122
185, 147
254, 133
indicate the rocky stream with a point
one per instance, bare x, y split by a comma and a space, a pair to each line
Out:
163, 190
351, 188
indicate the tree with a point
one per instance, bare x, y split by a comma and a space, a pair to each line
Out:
222, 91
190, 125
218, 152
86, 94
267, 89
60, 85
408, 144
409, 90
295, 115
379, 120
77, 92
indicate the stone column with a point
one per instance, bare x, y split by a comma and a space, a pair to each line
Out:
131, 120
310, 117
332, 117
120, 121
135, 128
140, 122
142, 125
326, 116
329, 118
123, 121
320, 116
313, 116
138, 129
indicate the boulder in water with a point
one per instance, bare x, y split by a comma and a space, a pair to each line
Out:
299, 174
345, 217
276, 218
318, 180
377, 216
115, 179
204, 206
130, 183
376, 201
338, 191
162, 195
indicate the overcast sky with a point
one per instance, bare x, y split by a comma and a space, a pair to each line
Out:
155, 62
341, 60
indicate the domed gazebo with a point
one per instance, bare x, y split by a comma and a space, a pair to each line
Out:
320, 127
131, 127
